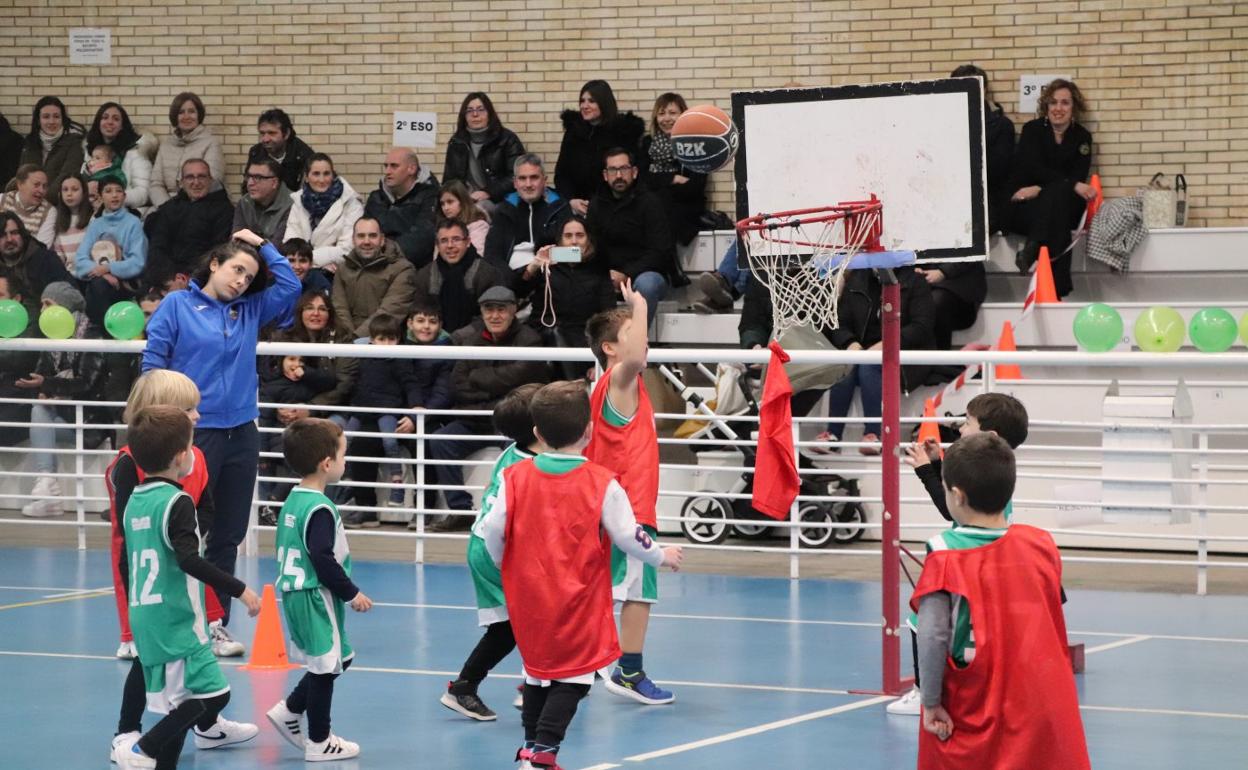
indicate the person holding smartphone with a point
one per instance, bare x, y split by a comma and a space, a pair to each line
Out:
567, 286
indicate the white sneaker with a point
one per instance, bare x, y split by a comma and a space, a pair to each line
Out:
224, 733
126, 651
129, 757
331, 749
127, 738
288, 724
908, 705
223, 645
45, 486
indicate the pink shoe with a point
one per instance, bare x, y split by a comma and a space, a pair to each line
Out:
870, 451
826, 450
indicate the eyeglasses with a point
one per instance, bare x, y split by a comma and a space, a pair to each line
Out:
259, 178
197, 177
618, 170
475, 110
456, 239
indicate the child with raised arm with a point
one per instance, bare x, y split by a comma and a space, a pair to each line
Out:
1016, 707
997, 413
626, 442
164, 550
550, 528
314, 576
512, 419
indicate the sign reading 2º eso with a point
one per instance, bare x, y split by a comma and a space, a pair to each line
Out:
415, 129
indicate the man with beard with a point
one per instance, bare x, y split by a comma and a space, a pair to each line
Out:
26, 260
279, 144
632, 231
373, 279
404, 203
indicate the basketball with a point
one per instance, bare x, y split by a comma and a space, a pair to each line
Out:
704, 139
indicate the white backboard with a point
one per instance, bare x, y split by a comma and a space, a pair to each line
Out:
918, 146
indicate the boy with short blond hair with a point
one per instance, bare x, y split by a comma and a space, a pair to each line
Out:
314, 576
164, 550
548, 529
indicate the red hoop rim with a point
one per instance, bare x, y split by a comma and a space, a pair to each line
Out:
766, 224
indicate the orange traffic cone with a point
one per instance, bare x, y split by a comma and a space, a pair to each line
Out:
1006, 343
268, 648
1094, 205
929, 429
1046, 290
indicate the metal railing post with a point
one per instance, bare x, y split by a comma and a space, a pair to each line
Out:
79, 472
418, 502
1202, 515
795, 557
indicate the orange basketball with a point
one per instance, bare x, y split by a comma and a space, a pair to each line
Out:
704, 139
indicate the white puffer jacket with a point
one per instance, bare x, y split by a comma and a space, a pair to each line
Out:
200, 143
331, 239
137, 166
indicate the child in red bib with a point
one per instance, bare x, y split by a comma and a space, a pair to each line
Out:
1013, 705
550, 529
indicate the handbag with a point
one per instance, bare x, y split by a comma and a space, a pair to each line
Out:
1165, 206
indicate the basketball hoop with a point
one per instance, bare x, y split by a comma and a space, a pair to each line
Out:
801, 256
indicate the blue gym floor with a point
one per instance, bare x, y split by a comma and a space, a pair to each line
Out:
761, 667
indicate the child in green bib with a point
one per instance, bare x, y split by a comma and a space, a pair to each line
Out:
167, 573
314, 576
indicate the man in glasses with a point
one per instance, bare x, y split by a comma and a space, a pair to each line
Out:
631, 229
265, 207
279, 144
192, 222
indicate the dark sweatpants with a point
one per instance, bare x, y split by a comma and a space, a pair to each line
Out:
164, 741
1048, 220
233, 456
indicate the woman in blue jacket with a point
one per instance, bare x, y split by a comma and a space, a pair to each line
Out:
208, 332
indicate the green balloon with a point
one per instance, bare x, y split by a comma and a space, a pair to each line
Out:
124, 320
1159, 329
56, 323
1213, 330
1243, 328
1098, 327
13, 318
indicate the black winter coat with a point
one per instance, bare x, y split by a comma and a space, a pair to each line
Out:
578, 172
497, 156
964, 280
387, 383
632, 232
516, 221
480, 383
433, 377
1040, 160
577, 293
684, 203
35, 268
999, 137
859, 314
64, 159
182, 230
408, 221
10, 152
293, 164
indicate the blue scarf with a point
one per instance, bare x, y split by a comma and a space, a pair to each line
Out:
317, 203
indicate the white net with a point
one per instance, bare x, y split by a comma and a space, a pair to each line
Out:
803, 263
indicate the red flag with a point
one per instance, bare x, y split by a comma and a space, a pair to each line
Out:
775, 469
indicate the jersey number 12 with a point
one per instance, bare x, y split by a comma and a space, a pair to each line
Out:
139, 560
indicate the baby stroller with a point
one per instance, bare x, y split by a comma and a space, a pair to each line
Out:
709, 518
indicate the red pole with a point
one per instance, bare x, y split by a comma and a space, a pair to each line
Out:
890, 321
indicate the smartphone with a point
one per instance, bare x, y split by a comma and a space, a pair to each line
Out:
565, 254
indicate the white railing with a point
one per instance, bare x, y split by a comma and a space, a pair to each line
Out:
1031, 456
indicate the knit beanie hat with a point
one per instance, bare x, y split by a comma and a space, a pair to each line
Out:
64, 294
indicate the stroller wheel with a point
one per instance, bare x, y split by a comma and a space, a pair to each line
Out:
819, 536
851, 515
705, 520
751, 531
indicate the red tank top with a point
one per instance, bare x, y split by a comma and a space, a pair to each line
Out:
1015, 705
631, 451
557, 570
194, 484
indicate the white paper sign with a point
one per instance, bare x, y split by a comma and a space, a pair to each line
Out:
90, 45
415, 129
1029, 87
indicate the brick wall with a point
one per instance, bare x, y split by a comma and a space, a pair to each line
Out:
1167, 81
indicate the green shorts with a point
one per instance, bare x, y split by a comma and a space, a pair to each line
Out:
632, 580
314, 619
487, 583
169, 684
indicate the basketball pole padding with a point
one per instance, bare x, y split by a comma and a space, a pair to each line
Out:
268, 647
890, 487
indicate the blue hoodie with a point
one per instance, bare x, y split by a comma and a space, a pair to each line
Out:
214, 343
124, 229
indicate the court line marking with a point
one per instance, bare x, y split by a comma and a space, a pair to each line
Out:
603, 766
1115, 645
732, 736
1166, 712
78, 591
782, 621
69, 598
